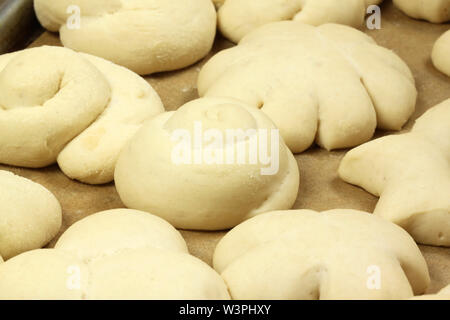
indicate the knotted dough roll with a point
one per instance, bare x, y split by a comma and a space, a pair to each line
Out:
78, 109
115, 254
237, 18
208, 166
337, 254
441, 53
411, 175
30, 215
436, 11
331, 84
145, 36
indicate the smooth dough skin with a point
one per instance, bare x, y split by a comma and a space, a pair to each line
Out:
77, 109
146, 36
444, 294
205, 195
411, 175
436, 11
117, 254
331, 84
30, 215
333, 255
237, 18
441, 53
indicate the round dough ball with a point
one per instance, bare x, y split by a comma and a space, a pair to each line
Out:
436, 11
338, 254
44, 274
155, 274
237, 18
109, 232
77, 109
183, 167
30, 215
145, 36
115, 254
284, 69
441, 53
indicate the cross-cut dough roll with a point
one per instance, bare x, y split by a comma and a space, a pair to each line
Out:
146, 36
331, 84
56, 104
214, 184
411, 175
116, 254
237, 18
338, 254
30, 215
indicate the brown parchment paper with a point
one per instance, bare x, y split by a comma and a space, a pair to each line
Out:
320, 189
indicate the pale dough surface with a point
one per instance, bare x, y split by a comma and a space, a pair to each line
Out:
116, 254
441, 53
444, 294
203, 196
303, 254
146, 36
331, 84
30, 215
411, 175
237, 18
78, 109
436, 11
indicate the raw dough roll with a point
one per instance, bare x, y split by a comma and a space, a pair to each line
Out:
338, 254
237, 18
331, 84
441, 53
436, 11
209, 187
56, 104
30, 215
145, 36
411, 175
116, 254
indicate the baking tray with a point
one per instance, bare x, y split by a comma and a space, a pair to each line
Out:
18, 24
320, 188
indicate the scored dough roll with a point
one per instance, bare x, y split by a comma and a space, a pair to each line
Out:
333, 255
115, 254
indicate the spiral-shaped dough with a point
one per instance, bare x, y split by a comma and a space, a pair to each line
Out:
145, 36
56, 104
215, 188
337, 254
115, 254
